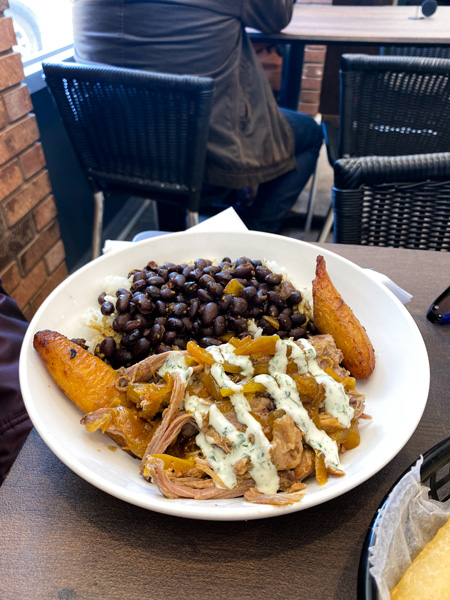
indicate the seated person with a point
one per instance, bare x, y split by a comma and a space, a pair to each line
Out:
252, 143
14, 421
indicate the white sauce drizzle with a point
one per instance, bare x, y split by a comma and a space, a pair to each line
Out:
281, 387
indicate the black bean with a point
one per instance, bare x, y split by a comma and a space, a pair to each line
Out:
161, 307
225, 301
226, 259
153, 291
238, 306
167, 294
298, 319
312, 328
122, 291
151, 265
175, 324
179, 280
138, 275
170, 337
130, 338
208, 331
180, 343
219, 325
237, 324
143, 304
205, 279
188, 270
156, 280
273, 279
162, 272
156, 334
275, 298
139, 285
294, 298
160, 321
201, 263
225, 264
297, 332
211, 270
187, 324
248, 293
108, 347
101, 298
215, 289
141, 348
162, 348
244, 271
287, 311
254, 312
195, 274
256, 263
272, 311
242, 260
120, 321
179, 309
123, 302
204, 342
224, 277
132, 325
267, 328
107, 308
123, 356
210, 312
260, 298
204, 295
190, 288
284, 321
132, 308
196, 328
193, 308
261, 272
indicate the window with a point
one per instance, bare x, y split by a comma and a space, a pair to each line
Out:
41, 26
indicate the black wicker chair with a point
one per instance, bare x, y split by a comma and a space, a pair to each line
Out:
390, 106
397, 201
135, 132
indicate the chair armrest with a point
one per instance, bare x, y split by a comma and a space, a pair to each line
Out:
331, 136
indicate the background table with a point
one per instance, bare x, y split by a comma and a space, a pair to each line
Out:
346, 25
61, 538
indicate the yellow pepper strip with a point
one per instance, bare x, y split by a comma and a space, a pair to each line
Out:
233, 287
272, 321
180, 465
205, 357
349, 438
247, 388
236, 342
321, 470
211, 384
263, 345
348, 382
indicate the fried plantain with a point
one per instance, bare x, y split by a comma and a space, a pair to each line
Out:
333, 316
85, 379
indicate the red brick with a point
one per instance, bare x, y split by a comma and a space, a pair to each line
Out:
314, 56
28, 197
7, 35
45, 212
17, 102
3, 115
55, 256
315, 47
309, 109
311, 83
32, 160
310, 97
313, 71
30, 285
10, 178
11, 278
11, 70
40, 246
52, 282
17, 137
15, 240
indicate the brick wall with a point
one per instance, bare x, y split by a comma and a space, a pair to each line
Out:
313, 67
32, 257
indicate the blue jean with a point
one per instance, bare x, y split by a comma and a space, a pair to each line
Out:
275, 198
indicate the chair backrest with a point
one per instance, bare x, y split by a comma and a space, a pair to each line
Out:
428, 51
135, 129
394, 105
397, 201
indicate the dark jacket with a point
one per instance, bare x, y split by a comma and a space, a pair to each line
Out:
14, 421
250, 141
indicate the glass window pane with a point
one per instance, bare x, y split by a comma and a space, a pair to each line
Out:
41, 25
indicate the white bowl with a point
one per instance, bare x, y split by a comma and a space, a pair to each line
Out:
395, 396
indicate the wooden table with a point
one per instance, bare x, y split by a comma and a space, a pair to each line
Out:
347, 25
61, 538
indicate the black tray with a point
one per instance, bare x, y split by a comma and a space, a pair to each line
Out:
435, 473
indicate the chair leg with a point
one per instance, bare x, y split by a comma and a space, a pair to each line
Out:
327, 226
311, 200
192, 218
98, 224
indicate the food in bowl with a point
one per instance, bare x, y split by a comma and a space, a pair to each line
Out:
250, 417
